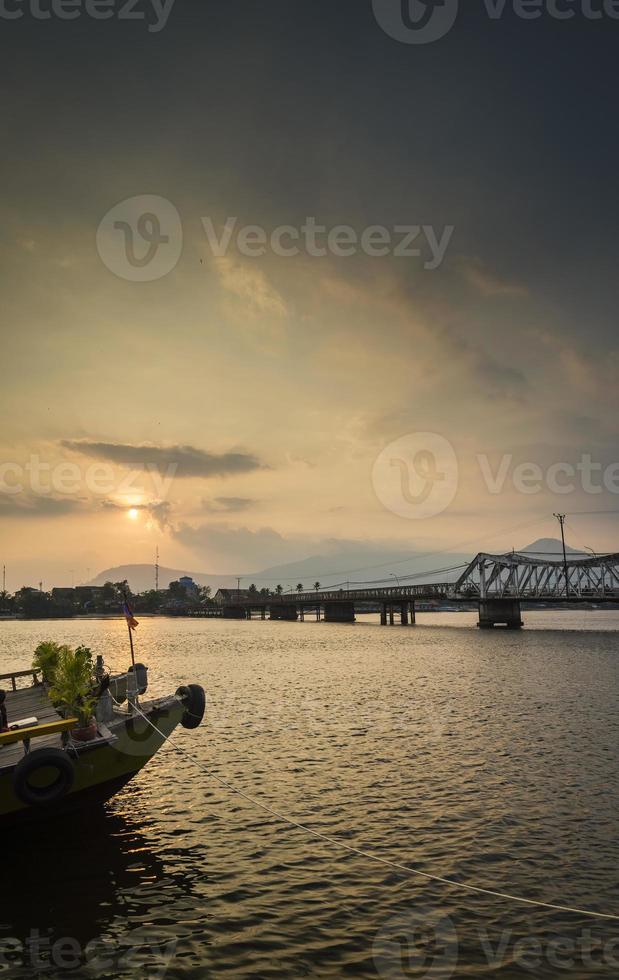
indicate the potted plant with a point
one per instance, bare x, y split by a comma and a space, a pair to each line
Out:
45, 660
72, 691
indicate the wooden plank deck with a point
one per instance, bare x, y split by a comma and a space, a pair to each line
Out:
27, 703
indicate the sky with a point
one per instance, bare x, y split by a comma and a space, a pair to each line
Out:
437, 366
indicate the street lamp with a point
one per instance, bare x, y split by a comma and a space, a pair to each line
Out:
561, 520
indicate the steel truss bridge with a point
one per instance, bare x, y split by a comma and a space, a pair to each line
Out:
523, 577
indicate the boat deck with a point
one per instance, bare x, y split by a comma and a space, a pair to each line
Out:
29, 702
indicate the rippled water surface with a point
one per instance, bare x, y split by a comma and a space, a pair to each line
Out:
486, 757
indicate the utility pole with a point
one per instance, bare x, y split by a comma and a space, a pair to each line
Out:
4, 578
157, 569
238, 587
561, 520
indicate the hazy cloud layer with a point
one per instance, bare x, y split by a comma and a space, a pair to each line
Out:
239, 549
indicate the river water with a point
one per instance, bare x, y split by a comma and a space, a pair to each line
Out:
490, 758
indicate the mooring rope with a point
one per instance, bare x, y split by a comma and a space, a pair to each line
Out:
366, 854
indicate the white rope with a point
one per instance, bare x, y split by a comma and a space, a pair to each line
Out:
365, 854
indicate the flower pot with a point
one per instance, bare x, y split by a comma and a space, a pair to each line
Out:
86, 734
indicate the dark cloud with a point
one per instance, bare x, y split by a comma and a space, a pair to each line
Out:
228, 504
31, 505
160, 513
499, 377
180, 461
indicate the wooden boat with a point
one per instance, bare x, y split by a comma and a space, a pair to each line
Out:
45, 766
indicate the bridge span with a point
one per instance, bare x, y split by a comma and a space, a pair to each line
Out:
496, 584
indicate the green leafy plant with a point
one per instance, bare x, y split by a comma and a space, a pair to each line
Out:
46, 657
85, 654
73, 683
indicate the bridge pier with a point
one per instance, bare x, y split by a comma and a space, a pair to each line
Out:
407, 614
284, 611
339, 612
234, 612
500, 612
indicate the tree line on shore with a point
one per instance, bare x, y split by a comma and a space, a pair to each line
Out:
108, 598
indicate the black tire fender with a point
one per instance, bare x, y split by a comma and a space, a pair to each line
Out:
194, 700
48, 758
141, 677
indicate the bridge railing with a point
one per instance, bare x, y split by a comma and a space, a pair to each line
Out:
390, 593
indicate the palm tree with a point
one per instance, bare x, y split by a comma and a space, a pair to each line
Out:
300, 587
279, 589
8, 601
253, 589
316, 586
122, 589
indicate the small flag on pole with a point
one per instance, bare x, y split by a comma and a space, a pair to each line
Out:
131, 620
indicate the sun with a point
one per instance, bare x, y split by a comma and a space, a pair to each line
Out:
133, 513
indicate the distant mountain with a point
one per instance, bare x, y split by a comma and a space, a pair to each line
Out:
330, 570
354, 564
142, 577
363, 566
550, 547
